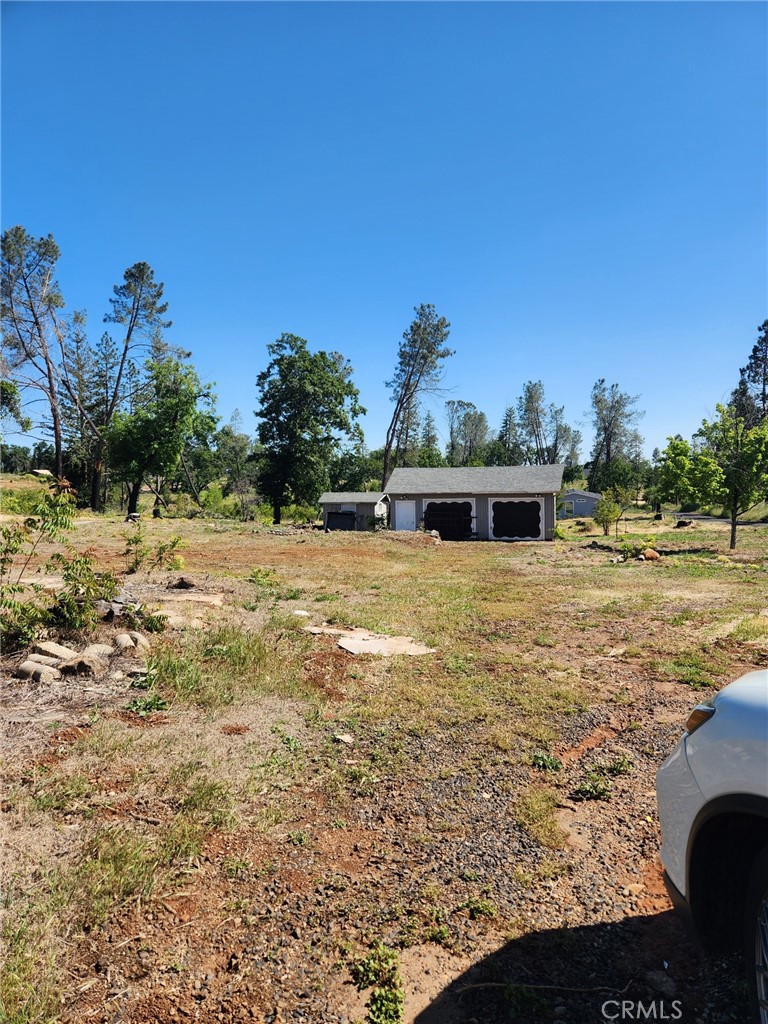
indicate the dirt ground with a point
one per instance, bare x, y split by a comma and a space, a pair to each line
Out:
393, 800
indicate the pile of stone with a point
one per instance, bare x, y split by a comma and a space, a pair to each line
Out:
50, 661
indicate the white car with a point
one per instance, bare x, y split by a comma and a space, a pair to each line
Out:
712, 793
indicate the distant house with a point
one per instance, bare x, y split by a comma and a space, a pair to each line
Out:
477, 502
353, 510
578, 503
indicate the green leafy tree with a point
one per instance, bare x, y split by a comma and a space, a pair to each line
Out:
150, 440
307, 406
674, 481
607, 512
728, 466
733, 464
418, 372
15, 458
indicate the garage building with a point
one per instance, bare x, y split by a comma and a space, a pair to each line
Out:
477, 502
353, 510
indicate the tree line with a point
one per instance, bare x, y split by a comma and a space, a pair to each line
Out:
128, 410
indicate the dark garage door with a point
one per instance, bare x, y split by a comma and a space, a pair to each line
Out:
516, 520
451, 519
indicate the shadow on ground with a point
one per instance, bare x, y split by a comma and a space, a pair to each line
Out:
593, 975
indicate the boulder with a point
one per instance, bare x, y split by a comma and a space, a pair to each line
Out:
53, 650
139, 640
83, 665
43, 659
651, 555
124, 642
37, 672
99, 650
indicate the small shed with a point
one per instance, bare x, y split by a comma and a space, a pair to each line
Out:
477, 502
353, 510
578, 503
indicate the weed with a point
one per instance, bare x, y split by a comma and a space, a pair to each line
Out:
298, 838
468, 875
181, 842
363, 780
60, 792
594, 787
689, 667
379, 970
24, 616
290, 741
752, 628
139, 553
439, 934
547, 762
144, 706
619, 765
236, 867
478, 906
116, 866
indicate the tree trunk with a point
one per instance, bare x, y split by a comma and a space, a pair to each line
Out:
133, 496
276, 512
98, 469
734, 517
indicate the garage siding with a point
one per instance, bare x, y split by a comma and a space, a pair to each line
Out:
482, 509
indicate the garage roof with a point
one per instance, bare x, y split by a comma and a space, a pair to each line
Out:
350, 497
493, 480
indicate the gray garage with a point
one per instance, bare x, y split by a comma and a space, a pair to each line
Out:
477, 502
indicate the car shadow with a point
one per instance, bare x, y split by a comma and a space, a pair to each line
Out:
594, 974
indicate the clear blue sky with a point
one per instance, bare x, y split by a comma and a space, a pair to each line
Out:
580, 188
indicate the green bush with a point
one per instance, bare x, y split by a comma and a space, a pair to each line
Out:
20, 503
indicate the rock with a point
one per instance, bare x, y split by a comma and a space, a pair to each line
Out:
139, 639
301, 613
682, 523
84, 665
124, 642
651, 555
344, 737
43, 473
103, 609
133, 517
53, 650
38, 673
43, 659
100, 650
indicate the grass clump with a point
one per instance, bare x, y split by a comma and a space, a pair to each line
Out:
535, 811
215, 667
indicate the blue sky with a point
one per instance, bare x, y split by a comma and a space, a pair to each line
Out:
580, 188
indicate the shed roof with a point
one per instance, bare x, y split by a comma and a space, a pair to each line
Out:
350, 497
587, 494
493, 480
